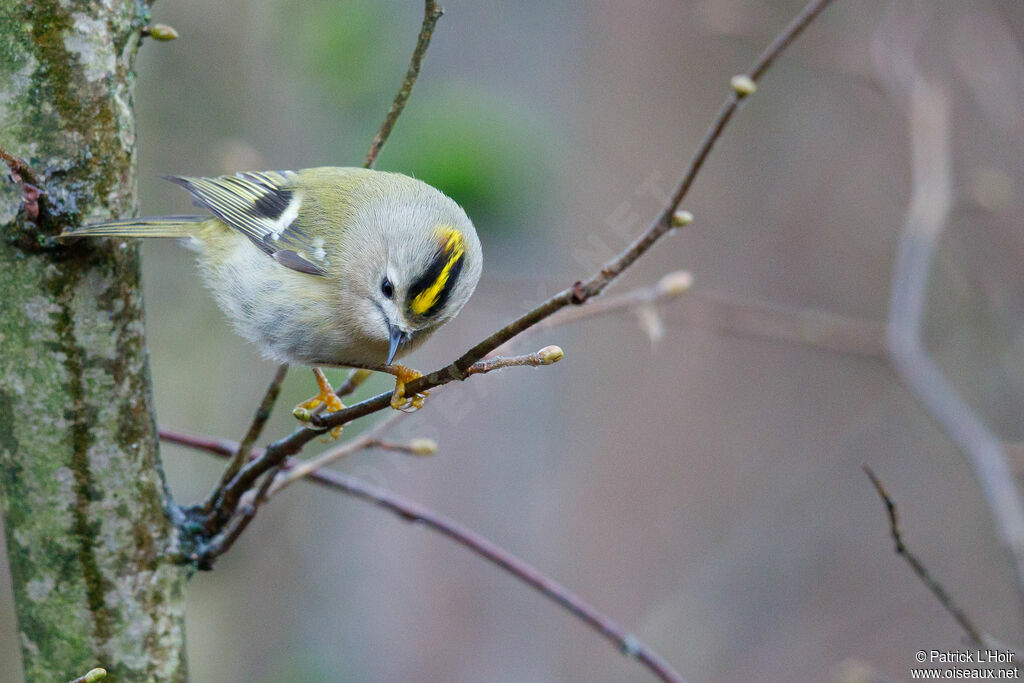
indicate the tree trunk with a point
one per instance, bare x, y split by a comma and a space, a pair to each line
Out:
89, 520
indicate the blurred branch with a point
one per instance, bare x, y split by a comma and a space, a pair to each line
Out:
210, 444
718, 312
431, 13
805, 326
670, 286
410, 511
922, 572
927, 110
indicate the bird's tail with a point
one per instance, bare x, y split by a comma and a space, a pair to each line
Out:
157, 226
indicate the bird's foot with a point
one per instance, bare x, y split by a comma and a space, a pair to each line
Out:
326, 400
399, 401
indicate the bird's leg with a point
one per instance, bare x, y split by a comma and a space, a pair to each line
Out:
399, 401
327, 398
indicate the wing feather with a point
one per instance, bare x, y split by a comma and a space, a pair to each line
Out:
264, 207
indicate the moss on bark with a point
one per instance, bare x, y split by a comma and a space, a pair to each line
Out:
88, 518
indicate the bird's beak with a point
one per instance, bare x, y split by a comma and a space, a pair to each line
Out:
398, 337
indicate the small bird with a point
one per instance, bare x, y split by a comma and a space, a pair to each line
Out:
326, 266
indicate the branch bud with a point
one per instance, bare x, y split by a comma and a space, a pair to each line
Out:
423, 447
681, 218
550, 354
95, 675
161, 32
743, 85
676, 283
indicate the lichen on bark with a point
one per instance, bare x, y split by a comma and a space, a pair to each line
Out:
89, 521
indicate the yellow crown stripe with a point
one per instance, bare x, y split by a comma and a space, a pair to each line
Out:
453, 245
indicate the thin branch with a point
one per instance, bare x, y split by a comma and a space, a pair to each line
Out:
366, 441
409, 511
922, 572
431, 13
223, 541
546, 356
804, 326
231, 494
210, 444
578, 294
259, 421
670, 286
726, 313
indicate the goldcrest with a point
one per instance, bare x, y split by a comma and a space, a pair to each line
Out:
326, 266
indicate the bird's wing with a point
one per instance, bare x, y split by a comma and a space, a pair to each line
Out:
262, 206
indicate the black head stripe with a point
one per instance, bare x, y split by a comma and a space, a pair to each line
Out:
429, 277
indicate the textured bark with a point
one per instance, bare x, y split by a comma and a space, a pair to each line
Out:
88, 517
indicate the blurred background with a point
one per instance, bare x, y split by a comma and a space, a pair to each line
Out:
704, 489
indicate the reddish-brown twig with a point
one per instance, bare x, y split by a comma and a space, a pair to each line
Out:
410, 511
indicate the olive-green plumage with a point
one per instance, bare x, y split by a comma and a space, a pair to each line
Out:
325, 266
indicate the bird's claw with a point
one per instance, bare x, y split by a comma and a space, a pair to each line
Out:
326, 400
399, 401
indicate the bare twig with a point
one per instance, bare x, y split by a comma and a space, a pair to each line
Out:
224, 540
727, 313
366, 441
805, 326
259, 421
578, 294
431, 13
230, 495
922, 572
581, 291
546, 356
210, 444
409, 511
670, 286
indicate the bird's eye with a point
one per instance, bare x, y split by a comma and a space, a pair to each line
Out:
387, 288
